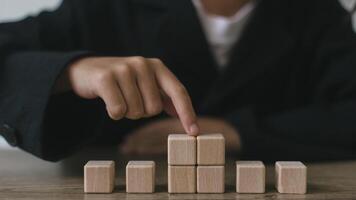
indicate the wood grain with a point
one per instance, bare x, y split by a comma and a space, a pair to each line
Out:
250, 177
291, 177
211, 149
24, 177
210, 179
99, 177
181, 149
140, 177
181, 179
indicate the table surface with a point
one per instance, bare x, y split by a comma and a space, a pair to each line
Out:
23, 176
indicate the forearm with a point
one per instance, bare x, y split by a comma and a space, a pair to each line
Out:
26, 83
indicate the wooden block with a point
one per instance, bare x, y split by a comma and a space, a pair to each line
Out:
291, 177
211, 179
140, 177
211, 149
181, 149
181, 179
250, 177
99, 177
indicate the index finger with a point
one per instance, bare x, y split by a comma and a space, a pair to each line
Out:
175, 90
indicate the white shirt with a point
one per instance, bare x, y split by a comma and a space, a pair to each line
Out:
349, 5
223, 32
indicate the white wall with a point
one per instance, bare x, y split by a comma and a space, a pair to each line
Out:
349, 4
16, 9
3, 144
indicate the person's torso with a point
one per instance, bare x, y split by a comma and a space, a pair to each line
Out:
270, 69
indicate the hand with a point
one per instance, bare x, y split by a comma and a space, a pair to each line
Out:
152, 138
131, 87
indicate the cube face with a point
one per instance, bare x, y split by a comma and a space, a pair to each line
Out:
181, 179
99, 177
140, 177
211, 149
181, 149
250, 177
291, 177
211, 179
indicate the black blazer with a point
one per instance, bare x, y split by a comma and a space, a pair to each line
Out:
289, 88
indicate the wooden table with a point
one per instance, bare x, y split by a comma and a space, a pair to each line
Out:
24, 177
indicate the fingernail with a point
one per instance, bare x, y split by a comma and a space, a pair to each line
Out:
194, 129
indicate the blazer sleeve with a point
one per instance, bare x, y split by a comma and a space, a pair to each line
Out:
322, 129
33, 52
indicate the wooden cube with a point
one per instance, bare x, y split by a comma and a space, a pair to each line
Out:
140, 177
181, 149
250, 177
211, 149
99, 177
211, 179
291, 177
181, 179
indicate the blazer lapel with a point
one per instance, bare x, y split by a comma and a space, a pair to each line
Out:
184, 48
139, 24
182, 37
263, 43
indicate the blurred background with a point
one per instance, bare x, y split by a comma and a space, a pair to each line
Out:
12, 10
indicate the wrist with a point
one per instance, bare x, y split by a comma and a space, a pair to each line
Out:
62, 83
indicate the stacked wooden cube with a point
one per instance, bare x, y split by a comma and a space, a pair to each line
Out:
181, 163
211, 163
196, 164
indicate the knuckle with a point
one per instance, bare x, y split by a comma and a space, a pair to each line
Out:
138, 61
154, 109
157, 62
102, 76
118, 111
124, 70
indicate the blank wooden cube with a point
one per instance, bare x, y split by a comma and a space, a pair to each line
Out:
211, 179
211, 149
291, 177
250, 177
181, 149
181, 179
140, 177
99, 177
